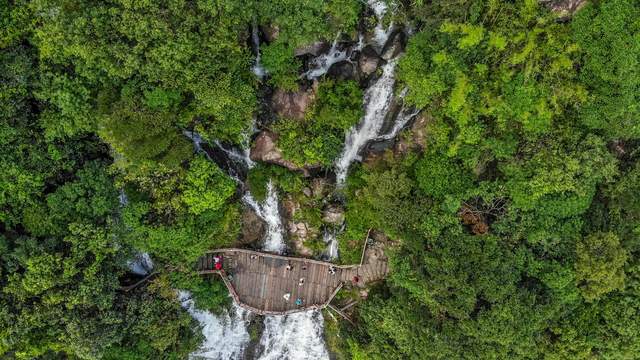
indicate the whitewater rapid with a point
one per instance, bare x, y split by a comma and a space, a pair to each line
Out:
377, 100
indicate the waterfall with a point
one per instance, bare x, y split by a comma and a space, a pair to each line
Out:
257, 67
226, 335
233, 153
377, 99
297, 336
141, 264
380, 34
269, 212
330, 238
321, 64
291, 337
403, 117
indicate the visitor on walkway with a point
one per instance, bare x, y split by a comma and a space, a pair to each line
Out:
301, 282
299, 302
287, 296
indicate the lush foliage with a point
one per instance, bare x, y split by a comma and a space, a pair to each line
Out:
318, 139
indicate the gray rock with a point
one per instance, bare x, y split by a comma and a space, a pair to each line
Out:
343, 70
253, 227
394, 46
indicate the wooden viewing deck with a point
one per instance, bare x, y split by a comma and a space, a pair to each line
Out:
258, 281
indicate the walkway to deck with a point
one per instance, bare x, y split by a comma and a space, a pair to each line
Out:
258, 281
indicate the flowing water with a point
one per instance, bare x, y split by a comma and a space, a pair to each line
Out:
321, 64
300, 335
141, 265
377, 100
257, 67
269, 212
380, 34
226, 335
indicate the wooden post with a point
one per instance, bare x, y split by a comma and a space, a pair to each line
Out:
353, 302
364, 248
341, 314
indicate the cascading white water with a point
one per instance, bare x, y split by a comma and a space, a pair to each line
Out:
377, 100
269, 212
294, 337
330, 238
257, 67
141, 264
321, 64
243, 156
380, 34
226, 335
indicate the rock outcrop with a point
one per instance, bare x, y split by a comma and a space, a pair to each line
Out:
253, 227
368, 61
293, 104
264, 149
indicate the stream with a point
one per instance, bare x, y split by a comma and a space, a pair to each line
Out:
299, 335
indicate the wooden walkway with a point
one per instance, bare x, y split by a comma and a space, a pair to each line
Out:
259, 281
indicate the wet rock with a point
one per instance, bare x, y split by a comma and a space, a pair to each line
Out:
264, 149
343, 70
394, 46
253, 227
564, 8
333, 215
368, 61
313, 49
271, 32
293, 104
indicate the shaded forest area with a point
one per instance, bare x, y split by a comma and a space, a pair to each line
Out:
512, 201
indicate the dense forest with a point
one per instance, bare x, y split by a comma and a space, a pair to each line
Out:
509, 202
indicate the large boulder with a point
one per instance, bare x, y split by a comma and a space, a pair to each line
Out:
415, 138
293, 104
394, 46
368, 61
264, 149
343, 70
253, 227
333, 215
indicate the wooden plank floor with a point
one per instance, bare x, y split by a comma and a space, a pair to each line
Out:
259, 281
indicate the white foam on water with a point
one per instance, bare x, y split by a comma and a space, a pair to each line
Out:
377, 99
225, 335
234, 154
380, 34
257, 67
141, 265
321, 64
297, 336
406, 113
330, 238
269, 211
